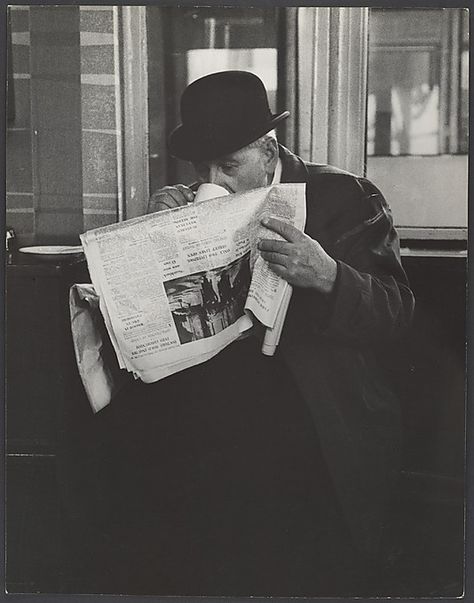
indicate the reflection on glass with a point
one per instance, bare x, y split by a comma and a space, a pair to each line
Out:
418, 82
228, 41
464, 103
403, 103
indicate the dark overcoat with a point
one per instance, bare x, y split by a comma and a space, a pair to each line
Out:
339, 348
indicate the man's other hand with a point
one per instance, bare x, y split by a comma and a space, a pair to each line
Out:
169, 197
299, 259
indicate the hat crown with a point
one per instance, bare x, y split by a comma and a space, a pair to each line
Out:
223, 99
222, 113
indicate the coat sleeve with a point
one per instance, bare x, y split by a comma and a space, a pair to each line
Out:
371, 301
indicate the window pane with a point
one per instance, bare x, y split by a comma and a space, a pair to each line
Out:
464, 82
417, 85
403, 116
417, 115
230, 39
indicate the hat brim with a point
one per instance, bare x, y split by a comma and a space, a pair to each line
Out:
186, 144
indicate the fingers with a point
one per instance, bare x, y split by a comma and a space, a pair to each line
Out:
288, 268
280, 271
287, 231
275, 245
275, 252
186, 192
273, 257
170, 197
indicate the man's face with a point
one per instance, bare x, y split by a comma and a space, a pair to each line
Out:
250, 167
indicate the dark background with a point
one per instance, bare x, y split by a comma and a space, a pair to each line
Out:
52, 443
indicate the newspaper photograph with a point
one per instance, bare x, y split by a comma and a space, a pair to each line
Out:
206, 303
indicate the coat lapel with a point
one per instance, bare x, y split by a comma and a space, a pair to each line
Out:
293, 168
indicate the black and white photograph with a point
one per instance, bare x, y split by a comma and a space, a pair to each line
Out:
205, 303
333, 463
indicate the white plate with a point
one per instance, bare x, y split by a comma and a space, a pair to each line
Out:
52, 249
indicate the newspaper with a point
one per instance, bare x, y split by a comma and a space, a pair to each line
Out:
96, 360
178, 286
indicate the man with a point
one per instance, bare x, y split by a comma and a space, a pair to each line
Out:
250, 475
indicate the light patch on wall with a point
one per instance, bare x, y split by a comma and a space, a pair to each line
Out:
106, 195
101, 212
260, 61
100, 130
98, 79
90, 38
86, 8
21, 38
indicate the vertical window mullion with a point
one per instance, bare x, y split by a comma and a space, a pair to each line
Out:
331, 47
444, 97
454, 77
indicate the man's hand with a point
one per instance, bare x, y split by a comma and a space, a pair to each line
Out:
169, 197
298, 259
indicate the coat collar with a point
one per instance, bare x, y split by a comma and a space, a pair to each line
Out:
293, 168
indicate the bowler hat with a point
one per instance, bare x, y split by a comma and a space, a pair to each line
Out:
222, 113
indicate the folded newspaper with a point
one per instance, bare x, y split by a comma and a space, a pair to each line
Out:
176, 287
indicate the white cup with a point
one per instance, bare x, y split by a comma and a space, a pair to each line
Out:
207, 190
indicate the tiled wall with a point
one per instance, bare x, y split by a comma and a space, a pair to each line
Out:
19, 184
100, 131
63, 144
56, 122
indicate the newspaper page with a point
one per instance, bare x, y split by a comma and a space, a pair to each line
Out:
96, 361
176, 287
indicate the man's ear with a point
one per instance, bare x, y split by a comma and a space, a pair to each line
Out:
271, 155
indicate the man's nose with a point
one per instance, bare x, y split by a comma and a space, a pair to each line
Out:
215, 175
